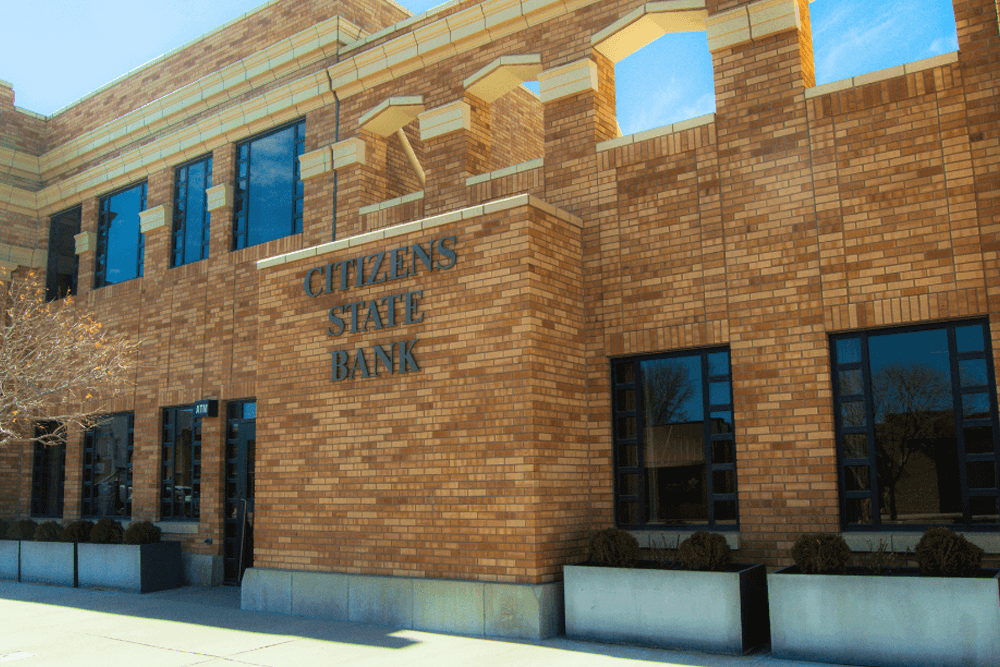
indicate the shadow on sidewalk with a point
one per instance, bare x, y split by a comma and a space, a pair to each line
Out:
212, 607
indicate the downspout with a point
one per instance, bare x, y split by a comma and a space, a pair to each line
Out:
336, 138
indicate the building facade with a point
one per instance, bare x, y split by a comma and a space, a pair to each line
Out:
410, 331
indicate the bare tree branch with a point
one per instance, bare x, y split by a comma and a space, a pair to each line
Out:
54, 362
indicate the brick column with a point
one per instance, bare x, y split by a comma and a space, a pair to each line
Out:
73, 480
457, 145
762, 57
356, 181
86, 247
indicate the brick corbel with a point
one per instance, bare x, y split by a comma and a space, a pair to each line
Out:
219, 196
85, 242
559, 82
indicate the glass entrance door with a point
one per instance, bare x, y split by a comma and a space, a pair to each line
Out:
241, 445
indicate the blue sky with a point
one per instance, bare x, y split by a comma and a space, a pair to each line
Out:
56, 51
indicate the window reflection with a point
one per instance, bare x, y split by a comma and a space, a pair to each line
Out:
108, 468
269, 190
120, 242
191, 215
934, 448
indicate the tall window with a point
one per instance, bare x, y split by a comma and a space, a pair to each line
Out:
675, 461
268, 201
180, 487
917, 427
191, 216
107, 468
120, 241
47, 477
62, 265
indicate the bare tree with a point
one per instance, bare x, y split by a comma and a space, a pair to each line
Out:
668, 389
912, 406
54, 361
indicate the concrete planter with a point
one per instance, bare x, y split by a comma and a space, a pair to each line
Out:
48, 563
10, 557
135, 568
885, 621
719, 612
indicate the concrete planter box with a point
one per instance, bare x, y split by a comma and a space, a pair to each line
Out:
885, 621
10, 558
135, 568
48, 563
719, 612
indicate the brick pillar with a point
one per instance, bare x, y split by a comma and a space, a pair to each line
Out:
146, 461
579, 111
457, 145
355, 181
86, 247
157, 224
762, 58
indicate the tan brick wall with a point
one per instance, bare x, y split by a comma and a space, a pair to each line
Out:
787, 218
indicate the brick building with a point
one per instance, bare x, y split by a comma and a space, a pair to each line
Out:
451, 327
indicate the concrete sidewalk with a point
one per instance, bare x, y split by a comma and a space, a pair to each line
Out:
53, 626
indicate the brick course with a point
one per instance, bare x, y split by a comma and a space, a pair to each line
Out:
787, 216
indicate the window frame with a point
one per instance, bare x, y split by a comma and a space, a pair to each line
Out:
621, 440
168, 498
181, 223
103, 226
40, 472
87, 500
242, 192
960, 421
51, 283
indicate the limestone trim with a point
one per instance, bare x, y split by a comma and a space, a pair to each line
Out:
20, 164
390, 203
391, 115
85, 242
155, 218
648, 23
883, 74
628, 139
219, 196
750, 22
348, 152
18, 200
458, 215
537, 163
309, 46
314, 163
503, 75
576, 77
22, 256
432, 42
445, 120
257, 115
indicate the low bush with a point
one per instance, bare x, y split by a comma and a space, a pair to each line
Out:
22, 530
821, 553
142, 533
944, 553
613, 547
106, 531
48, 531
705, 551
77, 531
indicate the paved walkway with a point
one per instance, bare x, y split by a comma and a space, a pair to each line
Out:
53, 627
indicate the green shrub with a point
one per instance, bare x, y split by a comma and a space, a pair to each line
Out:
22, 530
821, 553
943, 553
106, 531
705, 551
613, 547
77, 531
49, 531
3, 529
142, 533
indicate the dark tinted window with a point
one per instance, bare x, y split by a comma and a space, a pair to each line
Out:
191, 216
62, 264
